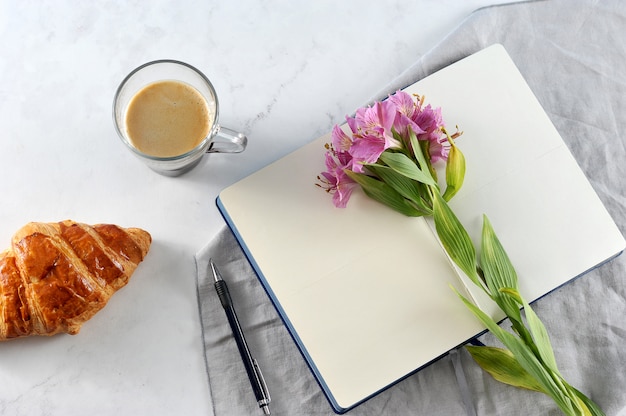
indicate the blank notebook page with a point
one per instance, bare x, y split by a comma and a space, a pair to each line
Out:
366, 291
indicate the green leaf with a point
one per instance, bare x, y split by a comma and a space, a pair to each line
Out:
494, 259
384, 193
592, 409
455, 171
406, 187
402, 164
551, 384
455, 239
422, 159
515, 317
498, 270
539, 334
503, 366
425, 145
500, 276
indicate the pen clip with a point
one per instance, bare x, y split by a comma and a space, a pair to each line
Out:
264, 391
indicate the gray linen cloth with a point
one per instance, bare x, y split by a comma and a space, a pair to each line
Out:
573, 55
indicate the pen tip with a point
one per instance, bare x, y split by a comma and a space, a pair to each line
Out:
216, 273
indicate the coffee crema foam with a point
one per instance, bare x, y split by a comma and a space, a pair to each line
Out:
168, 118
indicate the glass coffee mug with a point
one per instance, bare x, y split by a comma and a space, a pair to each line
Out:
166, 112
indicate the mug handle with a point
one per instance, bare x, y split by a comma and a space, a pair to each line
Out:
227, 141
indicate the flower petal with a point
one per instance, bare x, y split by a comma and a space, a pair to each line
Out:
341, 141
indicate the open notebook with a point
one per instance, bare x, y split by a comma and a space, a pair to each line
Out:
364, 291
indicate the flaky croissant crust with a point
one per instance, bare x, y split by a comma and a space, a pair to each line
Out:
56, 276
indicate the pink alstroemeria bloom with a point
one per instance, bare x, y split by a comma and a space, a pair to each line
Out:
337, 181
340, 140
431, 123
371, 128
338, 160
407, 112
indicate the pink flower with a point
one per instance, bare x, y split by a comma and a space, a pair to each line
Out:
425, 122
385, 125
366, 150
431, 122
338, 160
340, 140
407, 112
371, 129
336, 181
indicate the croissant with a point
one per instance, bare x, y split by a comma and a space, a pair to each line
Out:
56, 276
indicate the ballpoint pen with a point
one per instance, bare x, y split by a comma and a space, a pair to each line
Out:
252, 367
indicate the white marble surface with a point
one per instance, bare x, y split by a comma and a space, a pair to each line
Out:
285, 73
